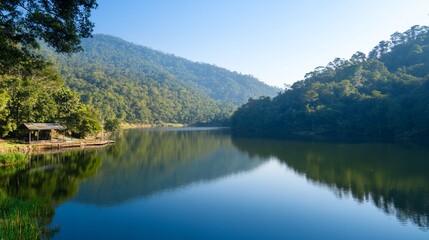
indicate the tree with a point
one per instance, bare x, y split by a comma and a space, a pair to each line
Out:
112, 124
384, 96
60, 23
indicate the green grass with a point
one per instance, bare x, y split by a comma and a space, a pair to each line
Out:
21, 219
7, 159
4, 144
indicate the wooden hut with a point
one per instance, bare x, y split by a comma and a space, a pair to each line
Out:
40, 131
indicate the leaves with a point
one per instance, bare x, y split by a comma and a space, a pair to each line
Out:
61, 24
383, 96
42, 97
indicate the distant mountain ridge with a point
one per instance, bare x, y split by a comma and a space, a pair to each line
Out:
218, 83
139, 84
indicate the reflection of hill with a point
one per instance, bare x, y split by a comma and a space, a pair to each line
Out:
145, 162
394, 177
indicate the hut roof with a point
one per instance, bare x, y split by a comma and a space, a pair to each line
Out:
42, 126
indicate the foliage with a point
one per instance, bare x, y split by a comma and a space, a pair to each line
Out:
23, 23
21, 219
112, 125
12, 158
383, 96
139, 85
42, 97
28, 198
30, 91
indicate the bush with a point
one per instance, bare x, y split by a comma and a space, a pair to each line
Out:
12, 158
112, 125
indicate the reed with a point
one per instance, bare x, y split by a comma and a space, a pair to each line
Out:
20, 219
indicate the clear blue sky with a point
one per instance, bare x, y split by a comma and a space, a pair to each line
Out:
277, 41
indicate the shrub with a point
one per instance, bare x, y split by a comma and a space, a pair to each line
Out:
12, 158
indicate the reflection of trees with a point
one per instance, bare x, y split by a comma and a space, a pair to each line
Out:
53, 178
393, 177
145, 162
50, 180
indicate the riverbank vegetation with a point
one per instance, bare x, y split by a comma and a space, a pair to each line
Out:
384, 95
30, 90
41, 96
21, 219
28, 201
13, 158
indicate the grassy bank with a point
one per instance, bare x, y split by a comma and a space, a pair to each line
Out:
12, 158
5, 144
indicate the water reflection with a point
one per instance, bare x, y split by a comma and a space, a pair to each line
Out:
147, 162
394, 177
144, 163
49, 180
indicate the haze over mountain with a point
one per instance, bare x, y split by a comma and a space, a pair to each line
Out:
139, 84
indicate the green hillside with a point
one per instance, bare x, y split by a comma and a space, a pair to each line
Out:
138, 84
384, 95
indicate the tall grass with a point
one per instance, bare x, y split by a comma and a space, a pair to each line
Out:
7, 159
19, 219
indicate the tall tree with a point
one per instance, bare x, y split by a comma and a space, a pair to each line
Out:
60, 23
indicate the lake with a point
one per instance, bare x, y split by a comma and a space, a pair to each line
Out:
201, 183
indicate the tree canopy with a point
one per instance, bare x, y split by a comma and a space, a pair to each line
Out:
23, 23
43, 97
384, 95
30, 89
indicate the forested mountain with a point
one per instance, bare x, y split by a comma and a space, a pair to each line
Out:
139, 84
384, 95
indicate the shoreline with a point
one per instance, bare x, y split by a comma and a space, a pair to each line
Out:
25, 147
42, 147
148, 125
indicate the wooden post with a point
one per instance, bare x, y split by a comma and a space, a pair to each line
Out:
29, 136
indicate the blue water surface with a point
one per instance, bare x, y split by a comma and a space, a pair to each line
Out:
207, 185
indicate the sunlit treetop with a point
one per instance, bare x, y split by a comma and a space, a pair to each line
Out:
59, 23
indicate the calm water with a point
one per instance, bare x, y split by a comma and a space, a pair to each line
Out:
204, 184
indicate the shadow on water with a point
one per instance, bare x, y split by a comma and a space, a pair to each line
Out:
147, 162
393, 177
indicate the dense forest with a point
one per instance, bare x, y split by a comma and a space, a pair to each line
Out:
141, 85
383, 95
31, 90
41, 96
113, 80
